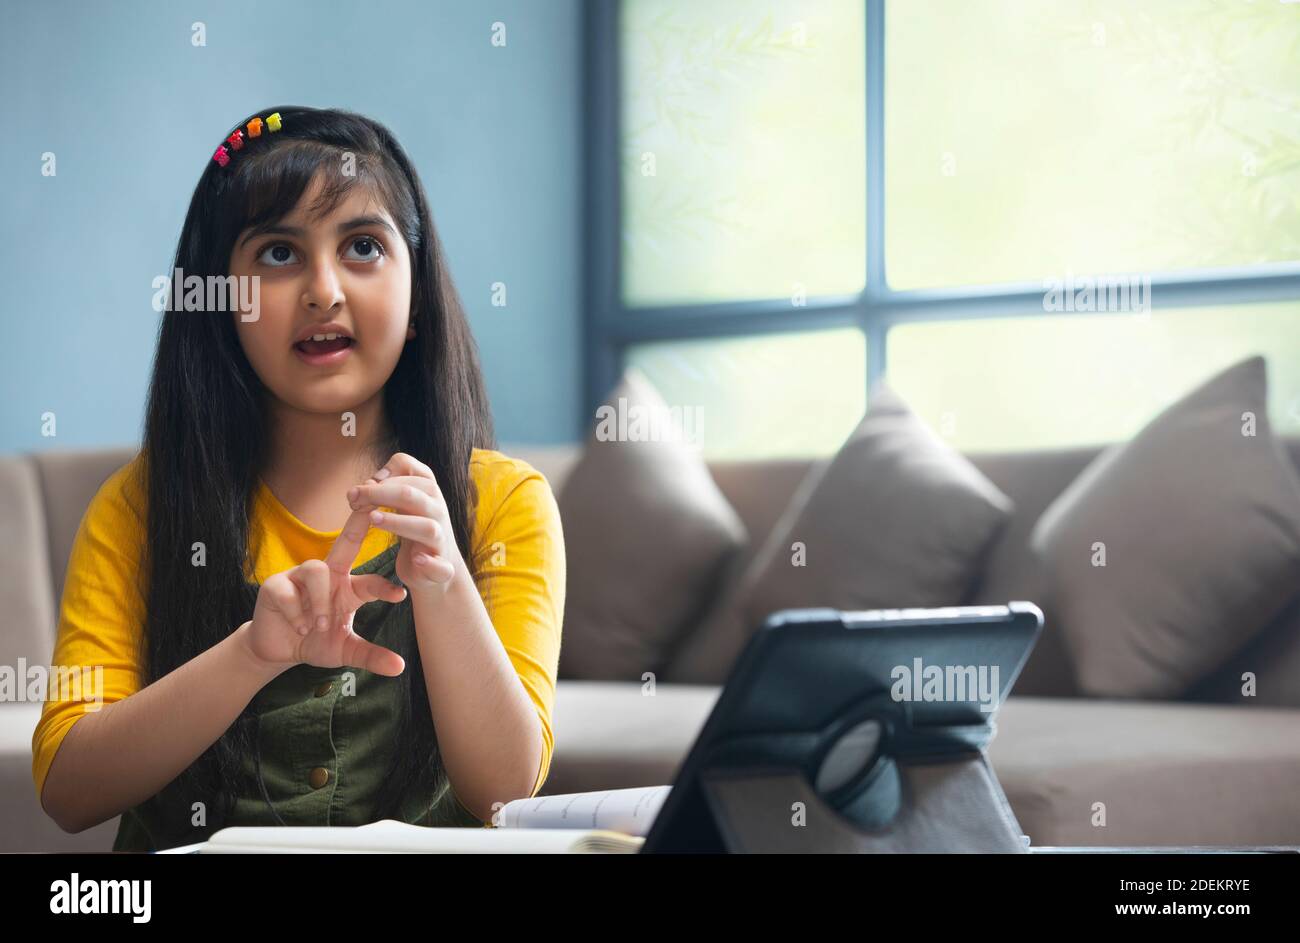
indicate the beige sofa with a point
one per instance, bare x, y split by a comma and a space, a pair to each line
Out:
1216, 769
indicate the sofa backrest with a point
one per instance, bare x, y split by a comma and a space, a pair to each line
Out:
45, 495
43, 498
760, 490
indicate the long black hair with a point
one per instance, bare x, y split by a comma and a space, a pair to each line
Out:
206, 424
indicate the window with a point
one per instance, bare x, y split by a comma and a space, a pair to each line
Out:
1010, 384
767, 395
791, 200
741, 125
1128, 135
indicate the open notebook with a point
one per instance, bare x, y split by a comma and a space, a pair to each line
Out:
613, 821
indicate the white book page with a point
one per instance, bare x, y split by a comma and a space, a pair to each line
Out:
631, 811
391, 836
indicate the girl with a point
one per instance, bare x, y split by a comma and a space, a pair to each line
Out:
252, 674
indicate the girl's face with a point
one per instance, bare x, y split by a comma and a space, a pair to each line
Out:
348, 274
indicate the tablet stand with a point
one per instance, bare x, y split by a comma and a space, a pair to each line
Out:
948, 804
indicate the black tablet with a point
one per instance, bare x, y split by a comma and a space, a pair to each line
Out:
837, 695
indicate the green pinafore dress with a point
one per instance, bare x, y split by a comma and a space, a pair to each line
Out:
325, 743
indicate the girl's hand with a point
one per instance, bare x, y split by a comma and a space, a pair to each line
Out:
429, 558
305, 614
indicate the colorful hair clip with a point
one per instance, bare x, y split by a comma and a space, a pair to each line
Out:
236, 139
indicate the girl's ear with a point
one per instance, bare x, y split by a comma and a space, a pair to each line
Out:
410, 330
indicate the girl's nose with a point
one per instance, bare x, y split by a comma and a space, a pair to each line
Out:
323, 291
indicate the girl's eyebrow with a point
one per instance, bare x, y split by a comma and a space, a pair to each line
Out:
356, 222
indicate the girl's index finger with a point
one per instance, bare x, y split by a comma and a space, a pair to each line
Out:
348, 543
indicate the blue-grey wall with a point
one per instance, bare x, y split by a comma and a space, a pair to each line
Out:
132, 111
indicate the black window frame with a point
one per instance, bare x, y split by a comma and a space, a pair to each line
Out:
611, 326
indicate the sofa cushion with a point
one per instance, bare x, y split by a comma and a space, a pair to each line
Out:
616, 735
1033, 480
24, 826
1171, 551
1166, 774
1266, 673
26, 592
895, 519
646, 533
69, 479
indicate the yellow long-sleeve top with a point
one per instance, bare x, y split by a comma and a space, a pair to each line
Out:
518, 562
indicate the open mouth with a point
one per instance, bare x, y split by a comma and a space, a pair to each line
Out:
319, 344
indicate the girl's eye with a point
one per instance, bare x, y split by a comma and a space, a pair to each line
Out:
367, 249
278, 254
